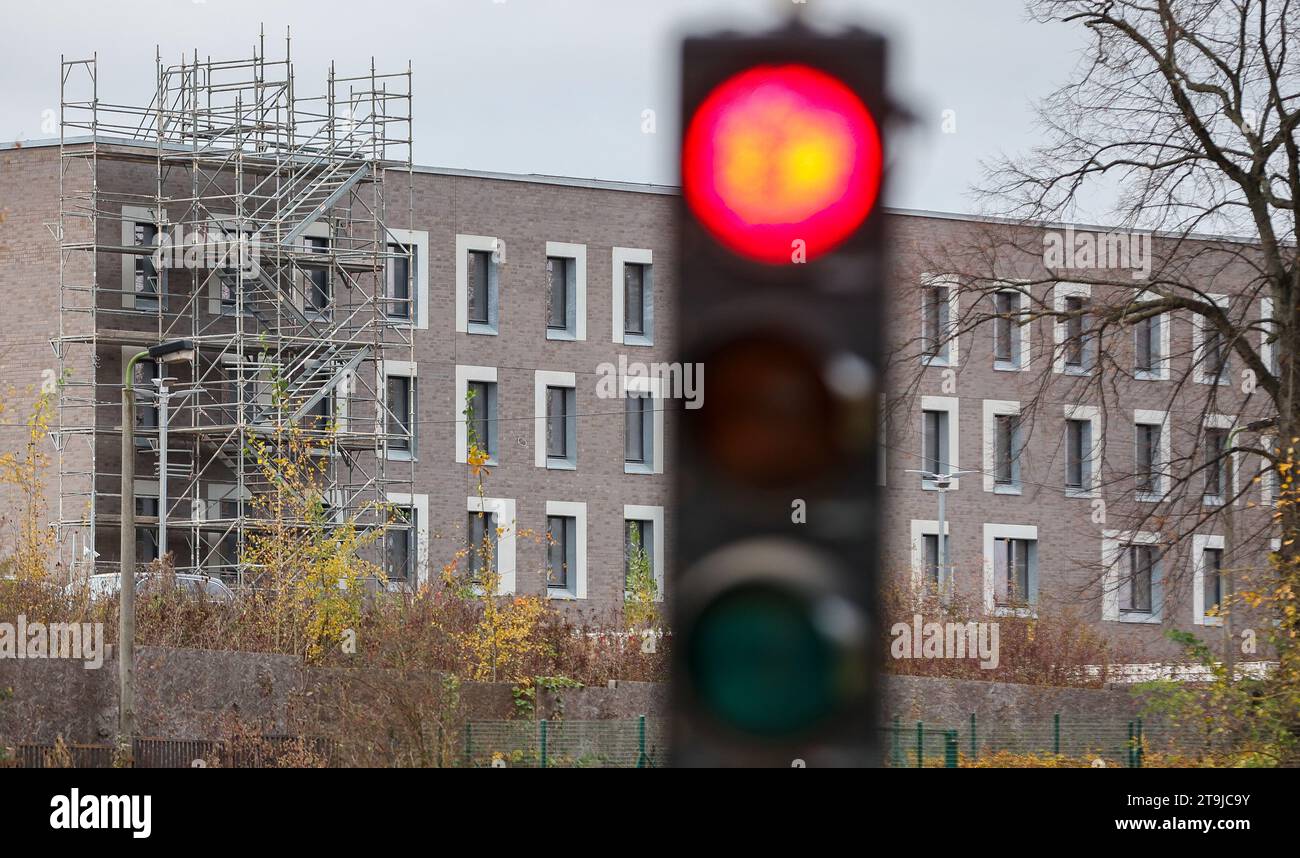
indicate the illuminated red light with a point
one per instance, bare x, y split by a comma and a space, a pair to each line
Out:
780, 154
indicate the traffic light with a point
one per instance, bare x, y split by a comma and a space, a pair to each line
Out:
781, 299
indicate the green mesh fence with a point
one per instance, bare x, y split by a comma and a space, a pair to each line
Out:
624, 743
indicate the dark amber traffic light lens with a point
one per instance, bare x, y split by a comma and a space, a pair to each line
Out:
779, 159
769, 419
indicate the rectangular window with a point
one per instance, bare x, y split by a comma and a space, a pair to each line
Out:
1216, 464
934, 320
638, 552
399, 544
1214, 357
1078, 454
319, 294
481, 419
1147, 466
1212, 572
1012, 561
559, 273
398, 284
560, 408
634, 295
1137, 594
936, 572
935, 441
561, 547
481, 544
638, 428
1007, 449
401, 407
1006, 329
479, 284
1076, 326
1146, 345
146, 273
146, 538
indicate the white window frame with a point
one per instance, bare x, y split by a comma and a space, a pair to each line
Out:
1023, 329
464, 375
542, 379
951, 344
402, 369
654, 515
1267, 479
1091, 414
952, 405
131, 215
636, 256
419, 239
993, 532
993, 409
1199, 544
1150, 418
577, 511
487, 244
1267, 350
578, 254
504, 510
1114, 543
1227, 422
1060, 292
1161, 372
655, 387
921, 528
419, 503
1200, 373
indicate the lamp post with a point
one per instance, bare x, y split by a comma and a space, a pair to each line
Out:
942, 485
168, 352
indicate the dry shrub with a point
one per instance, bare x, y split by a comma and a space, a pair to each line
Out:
1056, 647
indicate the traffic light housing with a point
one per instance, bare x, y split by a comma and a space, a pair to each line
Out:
781, 299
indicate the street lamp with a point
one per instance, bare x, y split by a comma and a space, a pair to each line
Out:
169, 352
942, 485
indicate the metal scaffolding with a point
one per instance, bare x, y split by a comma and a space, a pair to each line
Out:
254, 221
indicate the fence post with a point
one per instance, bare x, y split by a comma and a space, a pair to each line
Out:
541, 729
920, 744
1056, 734
1130, 745
973, 746
640, 742
896, 741
469, 743
950, 749
1137, 749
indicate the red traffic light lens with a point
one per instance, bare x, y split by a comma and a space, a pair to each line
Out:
780, 154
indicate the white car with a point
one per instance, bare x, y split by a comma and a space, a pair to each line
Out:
204, 586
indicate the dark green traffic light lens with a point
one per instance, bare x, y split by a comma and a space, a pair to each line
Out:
762, 662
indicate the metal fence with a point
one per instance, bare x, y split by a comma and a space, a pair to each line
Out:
642, 743
255, 752
916, 744
629, 743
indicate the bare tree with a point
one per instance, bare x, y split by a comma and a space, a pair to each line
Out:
1178, 128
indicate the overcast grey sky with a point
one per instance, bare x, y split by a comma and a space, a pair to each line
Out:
559, 86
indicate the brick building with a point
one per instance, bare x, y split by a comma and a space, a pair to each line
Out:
526, 291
